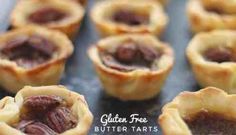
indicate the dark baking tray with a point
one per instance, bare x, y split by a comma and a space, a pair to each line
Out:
81, 77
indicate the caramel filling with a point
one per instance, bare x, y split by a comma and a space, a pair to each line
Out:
45, 115
219, 55
130, 17
47, 15
130, 56
205, 123
28, 51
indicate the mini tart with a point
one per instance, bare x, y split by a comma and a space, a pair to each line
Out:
203, 19
137, 84
140, 17
208, 111
225, 6
67, 15
218, 71
77, 103
14, 77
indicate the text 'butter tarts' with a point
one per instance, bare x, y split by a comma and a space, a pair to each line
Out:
45, 110
113, 17
205, 18
63, 15
32, 56
209, 111
132, 66
213, 60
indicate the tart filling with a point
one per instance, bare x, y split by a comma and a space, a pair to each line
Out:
205, 123
46, 114
28, 51
130, 17
131, 56
219, 54
46, 15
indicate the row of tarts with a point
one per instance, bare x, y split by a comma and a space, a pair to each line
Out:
131, 64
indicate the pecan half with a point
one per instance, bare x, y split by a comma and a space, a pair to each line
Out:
35, 128
60, 119
42, 102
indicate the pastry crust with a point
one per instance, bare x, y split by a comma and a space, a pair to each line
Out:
202, 20
77, 102
68, 25
208, 73
187, 104
14, 77
226, 6
139, 84
102, 11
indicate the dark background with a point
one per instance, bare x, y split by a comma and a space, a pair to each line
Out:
80, 75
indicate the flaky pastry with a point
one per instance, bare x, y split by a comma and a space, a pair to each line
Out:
202, 18
32, 56
62, 15
212, 58
132, 66
113, 17
41, 98
207, 111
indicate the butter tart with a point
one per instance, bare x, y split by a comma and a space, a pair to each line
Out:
209, 111
61, 15
203, 18
32, 56
46, 110
132, 66
224, 6
212, 57
113, 17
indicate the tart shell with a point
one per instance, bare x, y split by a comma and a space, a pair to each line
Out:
207, 73
158, 19
226, 6
187, 104
139, 84
78, 104
14, 77
68, 25
202, 20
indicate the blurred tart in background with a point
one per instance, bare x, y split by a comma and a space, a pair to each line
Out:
113, 17
61, 15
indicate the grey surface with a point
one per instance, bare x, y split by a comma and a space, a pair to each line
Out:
80, 75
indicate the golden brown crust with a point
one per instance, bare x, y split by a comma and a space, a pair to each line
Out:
207, 73
102, 10
226, 6
139, 84
77, 102
203, 20
187, 104
69, 25
14, 77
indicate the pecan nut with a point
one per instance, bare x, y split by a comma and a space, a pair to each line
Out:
43, 102
60, 119
35, 128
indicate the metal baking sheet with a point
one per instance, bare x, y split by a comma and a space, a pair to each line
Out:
81, 77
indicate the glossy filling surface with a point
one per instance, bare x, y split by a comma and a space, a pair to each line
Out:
45, 115
219, 54
130, 17
205, 123
28, 51
47, 15
130, 56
